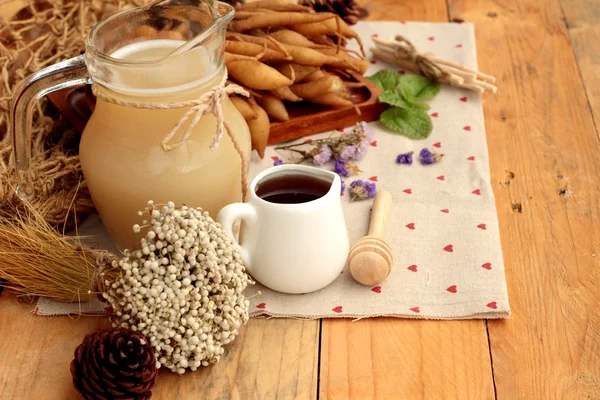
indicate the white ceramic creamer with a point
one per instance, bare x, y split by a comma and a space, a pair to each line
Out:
291, 248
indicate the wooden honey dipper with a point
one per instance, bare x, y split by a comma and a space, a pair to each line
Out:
370, 259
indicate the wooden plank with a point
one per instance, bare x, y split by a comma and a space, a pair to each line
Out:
407, 10
583, 24
540, 128
388, 358
35, 352
276, 358
405, 359
270, 359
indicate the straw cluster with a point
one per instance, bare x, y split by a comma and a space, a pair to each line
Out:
36, 260
403, 53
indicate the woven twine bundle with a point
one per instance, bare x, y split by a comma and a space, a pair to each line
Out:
40, 34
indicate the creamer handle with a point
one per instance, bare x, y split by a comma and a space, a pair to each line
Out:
227, 217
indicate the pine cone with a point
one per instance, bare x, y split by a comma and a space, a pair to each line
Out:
349, 10
114, 364
233, 2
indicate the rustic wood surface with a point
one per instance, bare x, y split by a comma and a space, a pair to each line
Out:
541, 127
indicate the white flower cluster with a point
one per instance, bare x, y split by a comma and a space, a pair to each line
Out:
183, 289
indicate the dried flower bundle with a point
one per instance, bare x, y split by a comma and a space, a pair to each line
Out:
183, 289
352, 144
36, 260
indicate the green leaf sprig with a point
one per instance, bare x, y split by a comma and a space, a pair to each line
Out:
407, 95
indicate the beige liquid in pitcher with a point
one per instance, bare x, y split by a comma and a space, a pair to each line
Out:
121, 154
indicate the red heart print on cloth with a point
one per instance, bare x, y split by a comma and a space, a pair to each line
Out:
337, 309
407, 191
458, 46
476, 192
374, 143
467, 128
438, 145
376, 289
411, 226
261, 305
373, 178
440, 178
275, 158
434, 115
492, 305
452, 289
412, 268
415, 309
471, 158
431, 38
482, 227
463, 99
449, 248
445, 210
374, 35
487, 266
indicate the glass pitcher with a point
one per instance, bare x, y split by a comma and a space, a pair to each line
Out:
162, 53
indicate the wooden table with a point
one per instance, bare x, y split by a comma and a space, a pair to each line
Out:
542, 126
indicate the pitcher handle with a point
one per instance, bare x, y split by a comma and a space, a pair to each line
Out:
228, 215
59, 76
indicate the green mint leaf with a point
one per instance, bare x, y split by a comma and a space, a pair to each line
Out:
416, 104
385, 80
429, 91
394, 98
414, 123
417, 87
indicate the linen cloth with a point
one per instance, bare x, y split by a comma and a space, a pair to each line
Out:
443, 228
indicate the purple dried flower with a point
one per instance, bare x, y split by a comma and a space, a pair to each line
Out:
425, 153
405, 158
352, 168
369, 135
426, 157
362, 149
346, 168
347, 152
322, 156
371, 188
277, 162
343, 188
360, 190
340, 168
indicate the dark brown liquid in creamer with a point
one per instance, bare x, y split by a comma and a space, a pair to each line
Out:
292, 189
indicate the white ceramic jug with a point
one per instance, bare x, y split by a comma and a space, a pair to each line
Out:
291, 248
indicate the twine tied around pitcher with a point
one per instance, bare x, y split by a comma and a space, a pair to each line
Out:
208, 103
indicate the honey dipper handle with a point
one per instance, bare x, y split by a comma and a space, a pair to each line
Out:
380, 213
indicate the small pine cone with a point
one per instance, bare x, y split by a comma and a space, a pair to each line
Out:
114, 364
349, 10
233, 2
